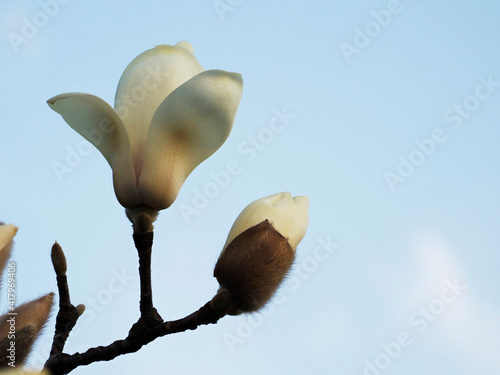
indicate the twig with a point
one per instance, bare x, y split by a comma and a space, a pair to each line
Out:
138, 336
68, 314
149, 327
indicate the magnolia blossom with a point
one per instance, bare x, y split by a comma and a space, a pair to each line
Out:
169, 116
259, 252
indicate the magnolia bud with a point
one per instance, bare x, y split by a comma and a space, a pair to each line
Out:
29, 321
58, 260
259, 252
23, 339
251, 268
80, 309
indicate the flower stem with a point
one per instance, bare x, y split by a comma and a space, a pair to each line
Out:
143, 243
143, 239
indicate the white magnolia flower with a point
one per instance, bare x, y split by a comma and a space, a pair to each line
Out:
169, 116
288, 216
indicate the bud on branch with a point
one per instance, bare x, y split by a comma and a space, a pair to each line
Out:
259, 252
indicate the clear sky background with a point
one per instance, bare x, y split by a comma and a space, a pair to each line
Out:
392, 131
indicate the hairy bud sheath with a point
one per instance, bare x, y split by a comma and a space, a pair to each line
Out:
251, 269
29, 322
259, 252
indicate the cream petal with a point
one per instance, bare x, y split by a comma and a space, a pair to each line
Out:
98, 123
145, 83
289, 216
188, 127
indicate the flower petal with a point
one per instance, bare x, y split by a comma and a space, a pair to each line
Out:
98, 123
188, 127
289, 216
145, 83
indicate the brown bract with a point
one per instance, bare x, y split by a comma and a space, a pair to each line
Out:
251, 269
29, 322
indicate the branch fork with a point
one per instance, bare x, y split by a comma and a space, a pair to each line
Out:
148, 327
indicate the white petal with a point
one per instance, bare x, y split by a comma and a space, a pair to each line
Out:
145, 83
289, 216
98, 122
188, 127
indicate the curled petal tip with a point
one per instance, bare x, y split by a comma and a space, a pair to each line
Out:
51, 101
185, 45
302, 200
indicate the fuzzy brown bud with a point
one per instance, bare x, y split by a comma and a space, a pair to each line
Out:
29, 322
24, 339
251, 268
80, 309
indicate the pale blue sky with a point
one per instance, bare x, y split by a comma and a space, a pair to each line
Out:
403, 233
